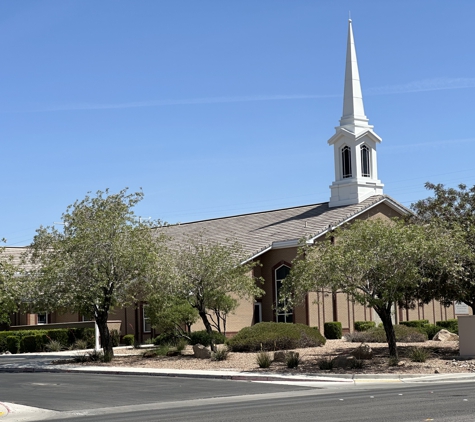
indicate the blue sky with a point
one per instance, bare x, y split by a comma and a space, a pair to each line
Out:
218, 108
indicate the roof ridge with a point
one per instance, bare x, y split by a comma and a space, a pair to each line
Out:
245, 214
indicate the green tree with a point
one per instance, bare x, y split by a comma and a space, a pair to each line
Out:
454, 210
171, 314
104, 257
377, 263
10, 292
208, 275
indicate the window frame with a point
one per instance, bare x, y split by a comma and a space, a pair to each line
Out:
145, 320
288, 317
346, 168
365, 161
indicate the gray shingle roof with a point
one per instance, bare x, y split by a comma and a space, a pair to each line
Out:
257, 232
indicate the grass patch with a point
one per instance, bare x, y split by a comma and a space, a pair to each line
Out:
292, 359
263, 359
220, 354
419, 354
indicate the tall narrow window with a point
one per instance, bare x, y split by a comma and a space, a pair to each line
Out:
365, 163
346, 162
281, 314
147, 327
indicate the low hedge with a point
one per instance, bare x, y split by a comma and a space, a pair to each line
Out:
364, 325
13, 344
202, 337
431, 330
403, 333
129, 340
332, 330
418, 323
451, 325
275, 336
38, 339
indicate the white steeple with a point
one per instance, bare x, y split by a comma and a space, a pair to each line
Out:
354, 143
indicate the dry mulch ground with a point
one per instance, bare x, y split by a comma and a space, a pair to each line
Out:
444, 358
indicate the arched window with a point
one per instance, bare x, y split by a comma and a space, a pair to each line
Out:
365, 161
346, 162
281, 315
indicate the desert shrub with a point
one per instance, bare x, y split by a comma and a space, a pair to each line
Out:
418, 354
54, 346
417, 323
275, 336
95, 356
451, 325
431, 330
292, 360
129, 340
220, 354
181, 344
393, 361
403, 333
357, 364
115, 337
13, 344
364, 325
80, 344
165, 338
332, 330
202, 337
325, 364
263, 359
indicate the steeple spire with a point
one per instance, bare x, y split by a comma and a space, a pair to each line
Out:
353, 109
354, 143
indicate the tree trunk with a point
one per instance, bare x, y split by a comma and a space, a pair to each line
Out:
209, 329
385, 314
106, 339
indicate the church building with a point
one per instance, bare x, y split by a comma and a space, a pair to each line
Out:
273, 237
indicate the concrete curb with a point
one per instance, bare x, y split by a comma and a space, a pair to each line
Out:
245, 376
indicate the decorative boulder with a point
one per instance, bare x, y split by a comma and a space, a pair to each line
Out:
444, 335
344, 361
363, 352
279, 356
201, 352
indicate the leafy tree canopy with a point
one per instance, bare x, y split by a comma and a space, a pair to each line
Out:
103, 257
378, 263
10, 292
453, 209
209, 276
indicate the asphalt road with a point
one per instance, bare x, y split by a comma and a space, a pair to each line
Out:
85, 397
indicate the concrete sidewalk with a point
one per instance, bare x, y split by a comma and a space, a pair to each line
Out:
41, 362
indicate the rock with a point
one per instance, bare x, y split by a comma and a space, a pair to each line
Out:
363, 352
201, 352
8, 352
436, 371
279, 356
444, 335
401, 363
149, 354
173, 352
344, 361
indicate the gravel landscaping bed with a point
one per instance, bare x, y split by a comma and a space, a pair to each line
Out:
443, 358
